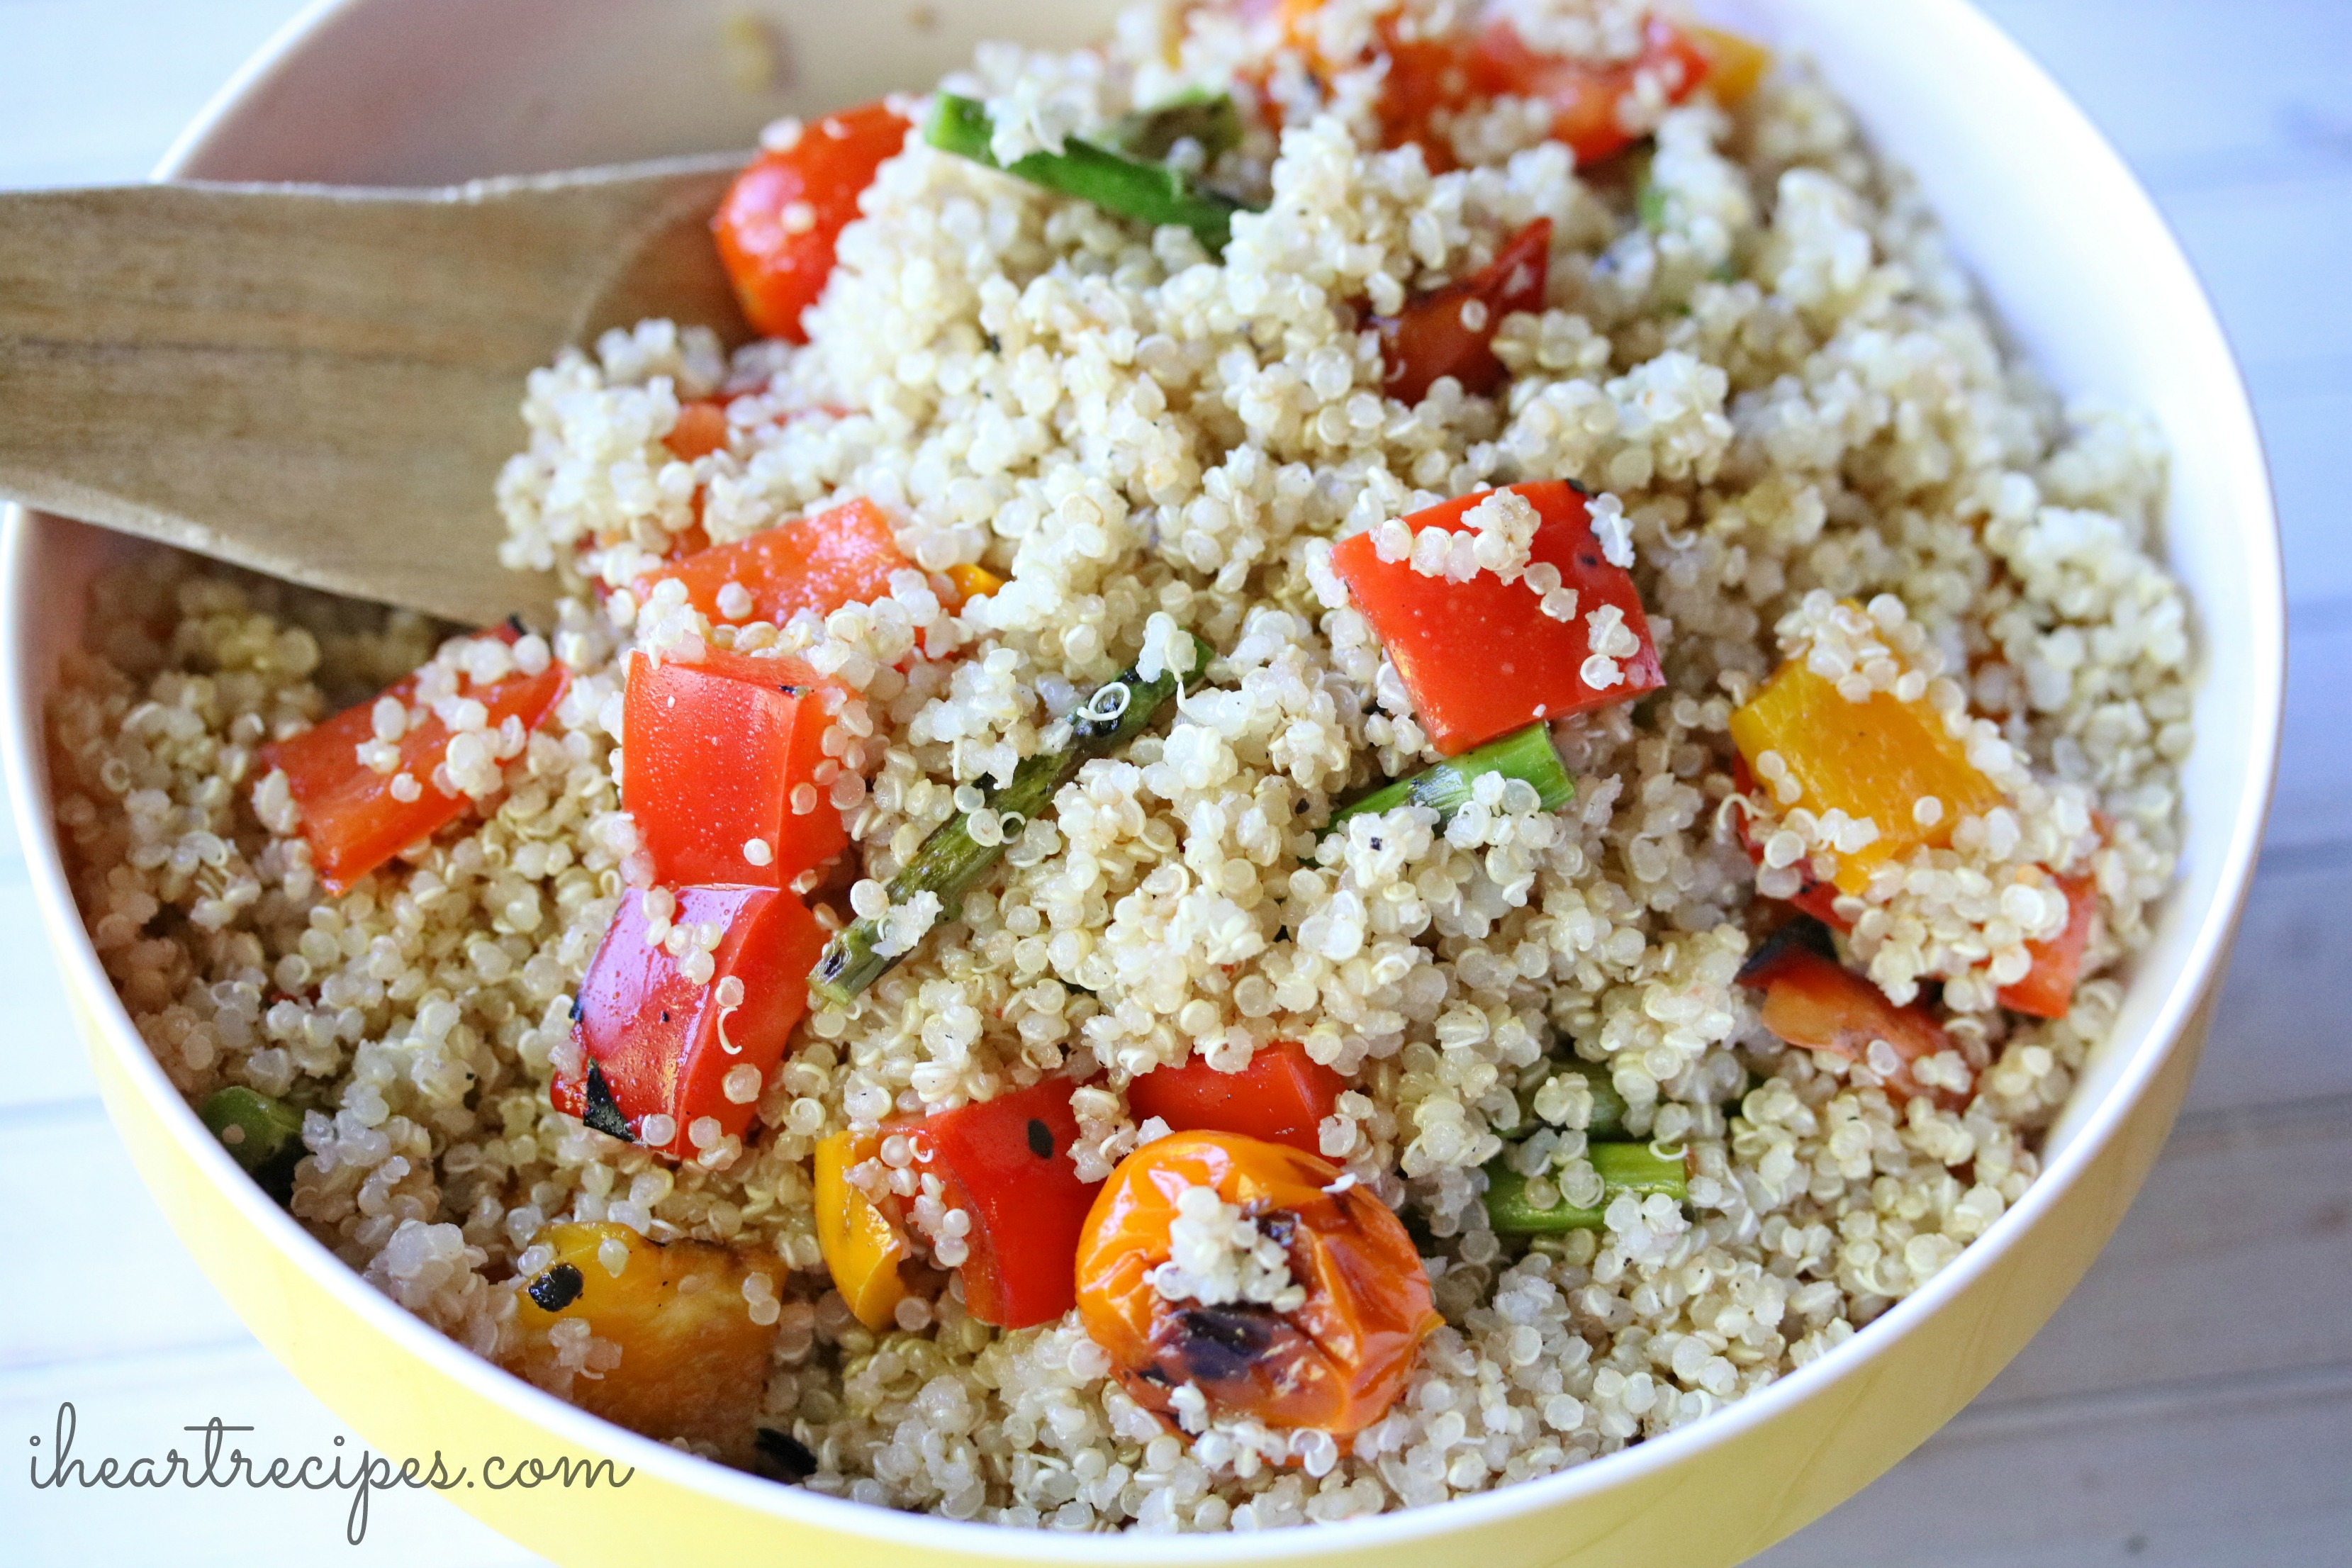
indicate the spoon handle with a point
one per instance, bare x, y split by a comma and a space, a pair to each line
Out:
318, 383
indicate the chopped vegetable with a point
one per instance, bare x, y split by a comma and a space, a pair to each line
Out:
1873, 760
1813, 896
1482, 656
819, 563
683, 1353
261, 1133
1608, 1115
1812, 1001
1426, 78
778, 222
1450, 331
356, 819
1208, 120
1282, 1097
971, 582
952, 861
1334, 1362
862, 1245
1152, 192
724, 759
700, 430
2048, 989
1446, 787
1597, 105
1623, 1168
1006, 1165
680, 1065
1733, 65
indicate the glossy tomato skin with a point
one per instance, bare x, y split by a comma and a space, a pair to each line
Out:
659, 1042
715, 750
1006, 1162
844, 556
1480, 657
1282, 1097
1431, 337
1334, 1363
350, 816
779, 221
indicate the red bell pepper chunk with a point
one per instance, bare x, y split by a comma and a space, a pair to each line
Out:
1426, 78
1589, 97
1813, 896
351, 815
778, 222
1450, 331
653, 1041
1481, 657
818, 563
1812, 1001
715, 750
1006, 1162
1282, 1097
2048, 989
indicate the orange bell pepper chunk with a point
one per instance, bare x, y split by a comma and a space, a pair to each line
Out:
1875, 759
694, 1364
779, 221
818, 563
2048, 989
1281, 1097
1335, 1362
1733, 65
700, 430
1481, 657
971, 582
653, 1042
353, 816
717, 752
1813, 1002
1450, 331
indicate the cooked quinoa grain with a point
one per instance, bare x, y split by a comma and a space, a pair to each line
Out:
1799, 433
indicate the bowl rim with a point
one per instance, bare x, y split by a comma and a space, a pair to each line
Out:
24, 687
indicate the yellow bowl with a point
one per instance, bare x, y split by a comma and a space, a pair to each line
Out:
2084, 275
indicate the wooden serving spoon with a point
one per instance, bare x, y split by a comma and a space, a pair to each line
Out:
322, 383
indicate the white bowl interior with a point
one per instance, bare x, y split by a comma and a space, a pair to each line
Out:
2080, 267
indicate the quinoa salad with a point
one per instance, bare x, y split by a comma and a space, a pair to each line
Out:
1367, 747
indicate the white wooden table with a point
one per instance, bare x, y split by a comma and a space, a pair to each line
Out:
2191, 1405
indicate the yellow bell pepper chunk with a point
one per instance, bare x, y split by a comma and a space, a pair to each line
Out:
694, 1363
1875, 759
862, 1246
971, 582
1734, 64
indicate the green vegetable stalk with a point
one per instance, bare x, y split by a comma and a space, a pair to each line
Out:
1201, 116
1132, 187
1608, 1105
262, 1134
1445, 787
1623, 1168
952, 861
